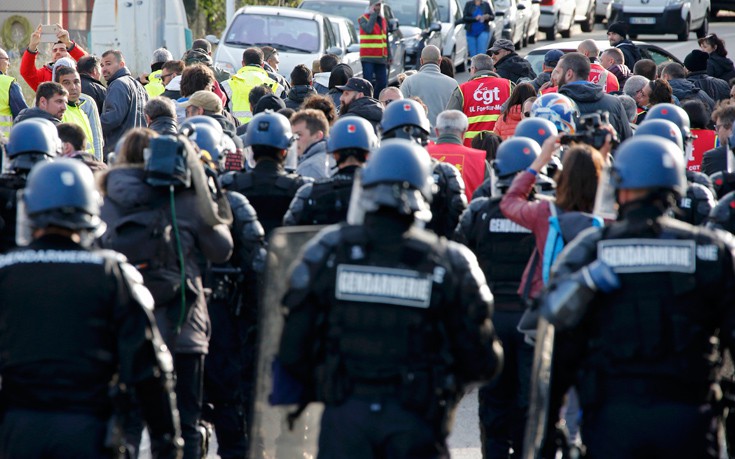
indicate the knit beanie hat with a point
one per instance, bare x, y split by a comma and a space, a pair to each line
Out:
619, 28
696, 61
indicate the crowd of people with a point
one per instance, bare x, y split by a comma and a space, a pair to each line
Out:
466, 221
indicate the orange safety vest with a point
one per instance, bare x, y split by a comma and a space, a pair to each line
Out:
375, 43
469, 161
706, 139
599, 73
483, 101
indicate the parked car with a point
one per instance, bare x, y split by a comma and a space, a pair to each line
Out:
585, 14
536, 57
299, 36
557, 16
347, 40
514, 20
454, 37
660, 17
353, 9
603, 10
420, 23
532, 14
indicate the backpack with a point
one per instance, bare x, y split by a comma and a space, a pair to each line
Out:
148, 237
563, 227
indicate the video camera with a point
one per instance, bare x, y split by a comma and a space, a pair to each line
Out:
590, 131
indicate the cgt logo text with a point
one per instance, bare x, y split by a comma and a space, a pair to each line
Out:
486, 95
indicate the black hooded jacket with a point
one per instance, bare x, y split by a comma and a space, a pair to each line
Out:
631, 53
513, 67
368, 108
35, 112
591, 98
297, 94
339, 76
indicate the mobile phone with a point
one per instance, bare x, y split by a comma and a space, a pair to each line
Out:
49, 33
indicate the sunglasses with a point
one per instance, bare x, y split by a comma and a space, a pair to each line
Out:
386, 102
494, 53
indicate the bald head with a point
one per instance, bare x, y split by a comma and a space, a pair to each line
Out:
431, 55
588, 48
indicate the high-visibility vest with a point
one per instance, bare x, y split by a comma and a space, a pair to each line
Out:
155, 85
241, 84
602, 77
638, 112
483, 101
375, 43
706, 139
470, 162
6, 116
75, 115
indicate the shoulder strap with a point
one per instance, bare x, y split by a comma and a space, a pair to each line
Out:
529, 280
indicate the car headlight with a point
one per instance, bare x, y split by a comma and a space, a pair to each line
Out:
674, 2
411, 43
226, 66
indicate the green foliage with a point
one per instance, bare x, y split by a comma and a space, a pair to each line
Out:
214, 11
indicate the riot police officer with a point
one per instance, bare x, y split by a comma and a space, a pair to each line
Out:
695, 205
268, 187
31, 141
503, 249
228, 375
326, 201
643, 307
406, 119
64, 343
405, 319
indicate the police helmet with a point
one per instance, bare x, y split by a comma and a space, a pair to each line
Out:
557, 108
538, 129
62, 193
646, 161
351, 133
722, 216
675, 114
194, 121
514, 155
269, 129
398, 175
405, 118
661, 128
34, 136
213, 143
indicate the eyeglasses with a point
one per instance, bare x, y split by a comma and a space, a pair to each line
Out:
386, 102
725, 126
494, 53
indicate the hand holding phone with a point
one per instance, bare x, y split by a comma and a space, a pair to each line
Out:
49, 33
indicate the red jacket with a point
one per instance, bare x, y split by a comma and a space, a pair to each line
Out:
506, 128
469, 161
533, 215
705, 140
34, 76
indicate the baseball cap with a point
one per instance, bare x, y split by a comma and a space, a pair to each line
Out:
502, 44
358, 84
207, 100
551, 58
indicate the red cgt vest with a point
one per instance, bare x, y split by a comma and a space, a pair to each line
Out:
483, 99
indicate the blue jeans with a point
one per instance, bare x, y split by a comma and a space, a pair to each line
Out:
376, 74
477, 44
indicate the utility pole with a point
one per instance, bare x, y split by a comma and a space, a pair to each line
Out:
229, 9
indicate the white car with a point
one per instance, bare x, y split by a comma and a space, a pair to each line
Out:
603, 9
557, 16
659, 17
585, 14
532, 14
454, 36
514, 20
300, 36
348, 40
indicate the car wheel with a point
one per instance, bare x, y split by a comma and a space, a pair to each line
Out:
532, 38
524, 38
704, 30
551, 33
568, 33
589, 23
684, 36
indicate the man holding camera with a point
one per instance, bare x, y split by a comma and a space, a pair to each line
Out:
64, 47
571, 74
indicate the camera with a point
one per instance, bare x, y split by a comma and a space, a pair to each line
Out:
590, 131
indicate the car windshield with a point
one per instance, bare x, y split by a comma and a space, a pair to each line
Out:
350, 10
443, 10
284, 33
406, 11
